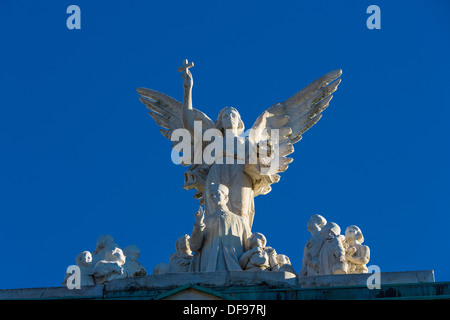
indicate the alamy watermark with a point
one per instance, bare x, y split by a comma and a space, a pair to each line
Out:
74, 20
73, 280
374, 20
211, 146
374, 280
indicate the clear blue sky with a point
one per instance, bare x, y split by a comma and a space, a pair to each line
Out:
80, 157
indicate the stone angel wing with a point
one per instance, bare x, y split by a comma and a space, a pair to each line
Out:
293, 117
167, 113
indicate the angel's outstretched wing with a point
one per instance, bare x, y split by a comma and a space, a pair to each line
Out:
167, 113
295, 116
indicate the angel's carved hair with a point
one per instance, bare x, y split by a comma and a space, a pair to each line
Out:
219, 125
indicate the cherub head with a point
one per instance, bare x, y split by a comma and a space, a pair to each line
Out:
102, 242
229, 118
283, 259
257, 240
353, 234
316, 223
84, 259
330, 230
132, 252
182, 245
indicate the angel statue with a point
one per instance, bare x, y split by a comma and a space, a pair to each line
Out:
245, 179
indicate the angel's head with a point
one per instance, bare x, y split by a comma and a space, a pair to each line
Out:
229, 118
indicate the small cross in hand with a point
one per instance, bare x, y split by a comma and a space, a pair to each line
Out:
185, 66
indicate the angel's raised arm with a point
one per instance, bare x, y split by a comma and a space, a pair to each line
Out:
187, 111
170, 114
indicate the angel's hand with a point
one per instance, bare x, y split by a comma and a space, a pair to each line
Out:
188, 81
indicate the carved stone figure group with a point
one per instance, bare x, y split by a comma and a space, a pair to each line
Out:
221, 238
108, 262
328, 252
222, 241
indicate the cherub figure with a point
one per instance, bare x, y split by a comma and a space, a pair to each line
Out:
283, 264
104, 249
258, 257
332, 254
311, 251
357, 255
110, 269
160, 268
84, 262
181, 260
132, 268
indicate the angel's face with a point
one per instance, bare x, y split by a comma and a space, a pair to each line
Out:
230, 119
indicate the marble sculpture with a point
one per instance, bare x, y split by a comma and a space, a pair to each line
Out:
108, 262
222, 237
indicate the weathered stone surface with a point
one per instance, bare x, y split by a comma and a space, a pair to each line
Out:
340, 280
247, 285
209, 279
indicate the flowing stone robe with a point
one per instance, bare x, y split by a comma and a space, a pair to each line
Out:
219, 243
310, 262
245, 181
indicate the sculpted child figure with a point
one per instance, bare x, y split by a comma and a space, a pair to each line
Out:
84, 262
181, 260
258, 257
310, 262
332, 254
107, 260
219, 237
132, 267
283, 264
110, 268
104, 249
357, 255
